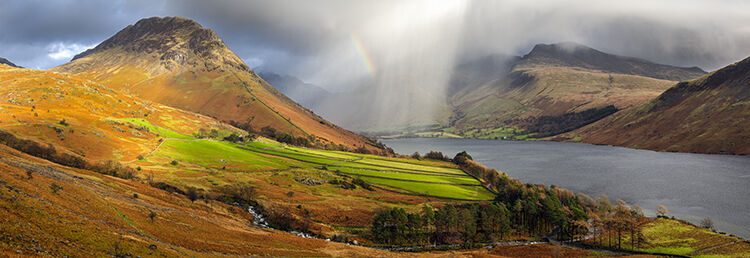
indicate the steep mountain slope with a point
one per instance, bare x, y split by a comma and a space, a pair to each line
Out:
557, 82
306, 94
177, 62
86, 118
6, 62
706, 115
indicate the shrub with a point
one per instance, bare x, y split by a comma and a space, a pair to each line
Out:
55, 188
436, 155
192, 193
240, 193
282, 218
358, 181
174, 163
461, 157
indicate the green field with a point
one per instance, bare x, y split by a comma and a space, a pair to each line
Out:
161, 131
430, 178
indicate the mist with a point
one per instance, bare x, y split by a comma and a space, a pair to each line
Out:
390, 62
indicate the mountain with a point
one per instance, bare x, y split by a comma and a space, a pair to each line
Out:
552, 89
6, 62
705, 115
306, 94
176, 62
576, 55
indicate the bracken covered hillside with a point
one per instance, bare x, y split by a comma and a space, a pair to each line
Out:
176, 62
706, 115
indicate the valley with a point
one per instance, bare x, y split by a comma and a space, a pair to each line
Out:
374, 129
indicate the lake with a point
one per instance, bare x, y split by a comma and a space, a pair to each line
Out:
692, 186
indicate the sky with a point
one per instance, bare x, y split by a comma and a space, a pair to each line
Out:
400, 49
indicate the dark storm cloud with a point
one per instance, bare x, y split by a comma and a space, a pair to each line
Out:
304, 37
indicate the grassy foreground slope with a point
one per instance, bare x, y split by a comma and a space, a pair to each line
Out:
69, 212
86, 120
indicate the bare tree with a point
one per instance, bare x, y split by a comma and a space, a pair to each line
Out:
708, 224
661, 211
604, 205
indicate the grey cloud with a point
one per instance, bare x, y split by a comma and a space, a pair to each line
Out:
410, 45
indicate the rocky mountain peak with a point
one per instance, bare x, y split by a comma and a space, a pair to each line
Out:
577, 55
173, 41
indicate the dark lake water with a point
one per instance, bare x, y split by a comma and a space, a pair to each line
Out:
692, 186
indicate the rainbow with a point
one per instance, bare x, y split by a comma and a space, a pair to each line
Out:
363, 54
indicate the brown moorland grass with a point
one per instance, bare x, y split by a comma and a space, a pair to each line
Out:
97, 215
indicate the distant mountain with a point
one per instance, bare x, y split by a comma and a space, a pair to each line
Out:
552, 89
577, 55
177, 62
705, 115
306, 94
5, 61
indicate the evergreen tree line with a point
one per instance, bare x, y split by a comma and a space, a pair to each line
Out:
518, 210
535, 211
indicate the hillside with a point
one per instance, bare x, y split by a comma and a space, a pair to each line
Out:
7, 62
308, 95
705, 115
176, 62
87, 119
528, 96
54, 210
126, 158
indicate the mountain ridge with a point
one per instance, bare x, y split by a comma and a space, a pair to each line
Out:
8, 62
578, 55
306, 94
176, 62
556, 81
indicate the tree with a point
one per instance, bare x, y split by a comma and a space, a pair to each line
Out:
461, 157
636, 211
661, 211
152, 215
416, 156
708, 224
192, 193
604, 206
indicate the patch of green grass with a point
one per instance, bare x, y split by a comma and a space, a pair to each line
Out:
438, 190
678, 250
406, 176
217, 154
263, 156
330, 154
140, 122
409, 166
